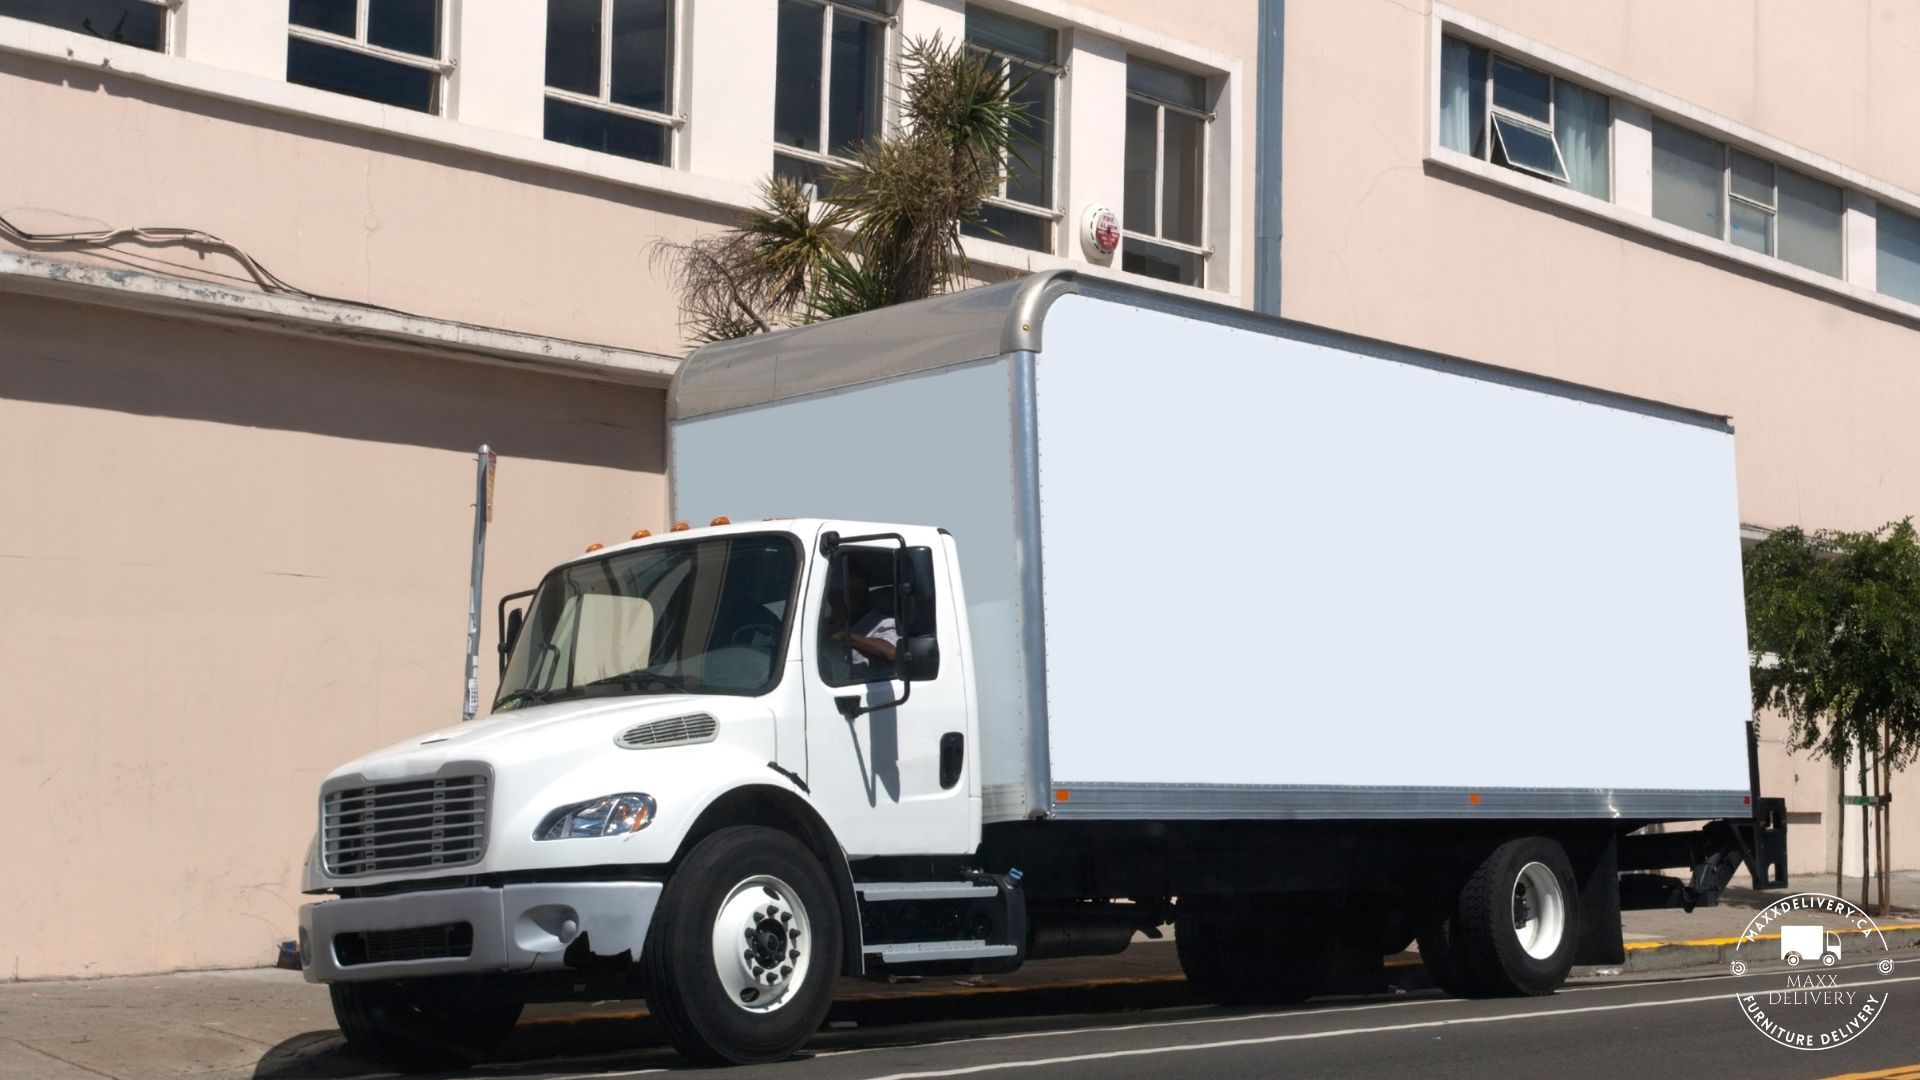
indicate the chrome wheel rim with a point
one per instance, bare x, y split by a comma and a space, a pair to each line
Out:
1539, 911
760, 944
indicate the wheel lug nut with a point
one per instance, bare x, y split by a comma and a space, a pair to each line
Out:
784, 971
785, 917
794, 955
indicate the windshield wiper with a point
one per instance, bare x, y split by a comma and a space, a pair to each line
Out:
527, 694
643, 680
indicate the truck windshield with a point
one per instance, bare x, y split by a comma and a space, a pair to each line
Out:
697, 617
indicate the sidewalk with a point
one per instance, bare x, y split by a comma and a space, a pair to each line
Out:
272, 1024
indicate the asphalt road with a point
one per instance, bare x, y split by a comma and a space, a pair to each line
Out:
1598, 1028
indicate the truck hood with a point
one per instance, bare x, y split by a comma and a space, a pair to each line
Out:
542, 731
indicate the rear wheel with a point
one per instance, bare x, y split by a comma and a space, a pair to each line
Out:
744, 949
1514, 930
1245, 952
423, 1025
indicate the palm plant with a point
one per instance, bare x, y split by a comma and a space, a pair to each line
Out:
887, 227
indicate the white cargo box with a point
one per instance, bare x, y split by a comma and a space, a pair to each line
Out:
1222, 566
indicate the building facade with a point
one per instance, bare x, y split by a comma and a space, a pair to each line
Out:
374, 234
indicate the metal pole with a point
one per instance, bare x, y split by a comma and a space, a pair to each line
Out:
482, 514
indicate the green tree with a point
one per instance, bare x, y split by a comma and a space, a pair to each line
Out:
886, 228
1833, 621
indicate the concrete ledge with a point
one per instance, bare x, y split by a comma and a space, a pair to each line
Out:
1645, 956
199, 301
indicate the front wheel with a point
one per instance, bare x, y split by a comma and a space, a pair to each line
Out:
423, 1025
744, 949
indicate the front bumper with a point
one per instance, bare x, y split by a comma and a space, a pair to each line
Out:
512, 928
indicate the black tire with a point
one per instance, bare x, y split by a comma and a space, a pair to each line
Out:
1484, 940
423, 1025
1439, 954
683, 987
1247, 953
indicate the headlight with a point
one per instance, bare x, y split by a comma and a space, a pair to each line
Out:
611, 815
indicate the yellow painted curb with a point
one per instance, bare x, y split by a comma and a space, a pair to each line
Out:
1711, 942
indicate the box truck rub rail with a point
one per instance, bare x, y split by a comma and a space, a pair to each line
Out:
1049, 612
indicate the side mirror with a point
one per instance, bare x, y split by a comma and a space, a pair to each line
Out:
511, 623
921, 656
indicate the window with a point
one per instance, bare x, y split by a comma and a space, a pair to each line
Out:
1027, 55
1897, 238
1163, 216
858, 628
1726, 193
387, 51
610, 77
1502, 111
827, 79
140, 23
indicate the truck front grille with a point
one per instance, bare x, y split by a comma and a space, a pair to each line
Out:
404, 825
419, 943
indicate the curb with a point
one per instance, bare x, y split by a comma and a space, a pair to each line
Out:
1645, 956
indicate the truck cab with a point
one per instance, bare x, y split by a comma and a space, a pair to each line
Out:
708, 722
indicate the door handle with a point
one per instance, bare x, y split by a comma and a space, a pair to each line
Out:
953, 753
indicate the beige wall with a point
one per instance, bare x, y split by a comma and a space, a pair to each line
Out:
1822, 391
232, 560
361, 216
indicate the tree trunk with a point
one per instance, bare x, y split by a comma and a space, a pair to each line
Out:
1866, 870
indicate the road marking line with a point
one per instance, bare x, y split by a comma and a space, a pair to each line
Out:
1339, 1033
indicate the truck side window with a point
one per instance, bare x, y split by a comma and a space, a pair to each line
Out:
858, 628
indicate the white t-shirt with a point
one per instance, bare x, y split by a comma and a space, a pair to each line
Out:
878, 626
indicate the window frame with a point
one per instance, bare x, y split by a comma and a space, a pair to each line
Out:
1053, 70
888, 22
1729, 198
1490, 132
1206, 117
440, 64
674, 121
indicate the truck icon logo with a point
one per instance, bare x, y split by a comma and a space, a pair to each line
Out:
1800, 943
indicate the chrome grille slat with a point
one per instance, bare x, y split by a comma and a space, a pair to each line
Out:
418, 823
673, 731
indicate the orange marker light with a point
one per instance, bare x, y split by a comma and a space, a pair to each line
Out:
591, 548
642, 534
1474, 798
721, 520
681, 526
1061, 795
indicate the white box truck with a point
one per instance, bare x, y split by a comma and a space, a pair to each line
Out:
1034, 616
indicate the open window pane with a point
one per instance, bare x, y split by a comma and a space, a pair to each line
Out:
1182, 176
1750, 227
1030, 231
1463, 97
1750, 177
607, 132
408, 26
573, 45
333, 16
1527, 147
853, 113
1688, 187
356, 74
642, 54
129, 22
1136, 212
796, 95
1522, 90
1809, 222
1898, 244
1138, 256
1580, 122
1030, 169
1013, 37
1165, 84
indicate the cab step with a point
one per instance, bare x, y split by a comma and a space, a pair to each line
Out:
974, 925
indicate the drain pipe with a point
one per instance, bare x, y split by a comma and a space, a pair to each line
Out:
482, 515
1270, 69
